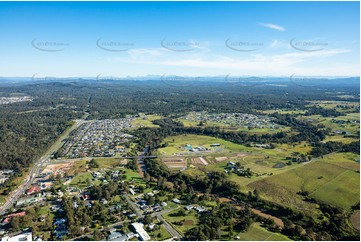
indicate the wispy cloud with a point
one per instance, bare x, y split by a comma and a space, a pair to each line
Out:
272, 26
255, 64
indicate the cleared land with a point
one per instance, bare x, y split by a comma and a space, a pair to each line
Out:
58, 168
227, 127
146, 121
175, 142
175, 162
355, 219
258, 233
334, 180
182, 223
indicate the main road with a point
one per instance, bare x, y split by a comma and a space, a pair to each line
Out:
38, 165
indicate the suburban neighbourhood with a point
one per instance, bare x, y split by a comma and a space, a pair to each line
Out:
101, 138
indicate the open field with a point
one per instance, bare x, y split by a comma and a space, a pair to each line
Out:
227, 127
340, 138
281, 111
146, 121
110, 162
345, 160
259, 160
258, 233
341, 106
332, 180
264, 130
342, 191
199, 140
350, 124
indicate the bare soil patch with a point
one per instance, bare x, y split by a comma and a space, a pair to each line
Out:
59, 168
220, 159
175, 162
355, 219
199, 161
241, 154
278, 221
188, 222
224, 200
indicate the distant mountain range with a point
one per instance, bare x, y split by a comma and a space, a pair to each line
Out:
177, 78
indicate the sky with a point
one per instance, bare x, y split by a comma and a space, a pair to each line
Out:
88, 39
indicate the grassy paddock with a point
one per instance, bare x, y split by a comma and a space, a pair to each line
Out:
258, 233
333, 180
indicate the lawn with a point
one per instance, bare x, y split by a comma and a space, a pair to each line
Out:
80, 179
258, 233
189, 221
132, 175
161, 234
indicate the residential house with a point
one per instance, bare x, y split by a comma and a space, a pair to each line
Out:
33, 189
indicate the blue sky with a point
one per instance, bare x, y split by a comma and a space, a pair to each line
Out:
179, 38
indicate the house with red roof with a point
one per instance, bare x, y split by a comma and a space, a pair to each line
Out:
33, 189
8, 217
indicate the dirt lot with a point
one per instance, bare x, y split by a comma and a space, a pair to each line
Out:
199, 161
241, 154
220, 159
175, 163
188, 222
58, 168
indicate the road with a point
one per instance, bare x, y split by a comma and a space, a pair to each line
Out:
133, 205
139, 213
37, 167
167, 226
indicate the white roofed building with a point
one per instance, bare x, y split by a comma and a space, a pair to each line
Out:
143, 235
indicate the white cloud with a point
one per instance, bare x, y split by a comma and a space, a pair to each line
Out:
272, 26
255, 64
